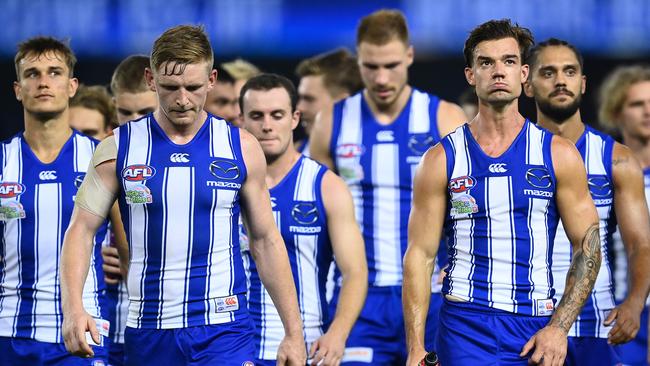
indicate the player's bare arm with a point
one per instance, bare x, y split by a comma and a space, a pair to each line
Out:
92, 205
634, 223
269, 252
450, 117
424, 230
115, 261
321, 137
349, 251
580, 220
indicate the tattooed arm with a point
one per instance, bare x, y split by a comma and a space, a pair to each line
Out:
580, 220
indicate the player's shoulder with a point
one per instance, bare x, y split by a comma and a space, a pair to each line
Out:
12, 140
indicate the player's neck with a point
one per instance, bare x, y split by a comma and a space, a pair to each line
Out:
180, 134
46, 137
387, 114
640, 148
277, 169
571, 128
496, 128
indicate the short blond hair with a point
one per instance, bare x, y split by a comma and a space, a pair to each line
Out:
241, 69
613, 91
382, 27
179, 46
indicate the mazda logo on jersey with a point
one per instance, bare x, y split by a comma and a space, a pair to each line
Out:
11, 189
224, 169
138, 173
539, 177
305, 213
599, 186
420, 143
78, 180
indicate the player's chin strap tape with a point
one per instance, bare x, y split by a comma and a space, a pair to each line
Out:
93, 195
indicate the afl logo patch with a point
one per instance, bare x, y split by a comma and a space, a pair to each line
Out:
461, 184
138, 173
349, 150
11, 189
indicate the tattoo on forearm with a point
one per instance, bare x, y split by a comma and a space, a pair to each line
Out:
580, 279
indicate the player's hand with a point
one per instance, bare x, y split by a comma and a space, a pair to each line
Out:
627, 317
415, 357
75, 326
292, 351
327, 350
549, 346
111, 265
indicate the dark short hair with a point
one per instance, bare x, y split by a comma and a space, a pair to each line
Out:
38, 46
339, 69
382, 27
96, 97
266, 82
495, 30
128, 76
223, 76
534, 52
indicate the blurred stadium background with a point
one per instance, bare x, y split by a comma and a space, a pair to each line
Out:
277, 34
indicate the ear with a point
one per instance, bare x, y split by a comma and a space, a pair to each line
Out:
584, 85
525, 69
410, 54
148, 76
295, 119
72, 87
469, 76
17, 90
212, 79
528, 89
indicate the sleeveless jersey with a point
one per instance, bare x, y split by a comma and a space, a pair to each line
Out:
180, 208
378, 163
300, 215
501, 222
36, 203
596, 150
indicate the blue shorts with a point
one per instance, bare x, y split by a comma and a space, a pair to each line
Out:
219, 344
587, 351
116, 354
635, 352
470, 334
378, 336
21, 351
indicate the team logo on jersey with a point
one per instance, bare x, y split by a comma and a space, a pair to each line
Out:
385, 136
349, 150
179, 158
47, 175
462, 205
599, 186
461, 184
539, 177
11, 210
498, 168
138, 173
305, 213
11, 189
138, 194
224, 169
78, 180
420, 143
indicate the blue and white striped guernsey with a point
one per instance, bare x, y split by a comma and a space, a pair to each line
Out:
501, 222
300, 215
180, 208
378, 163
36, 203
596, 150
